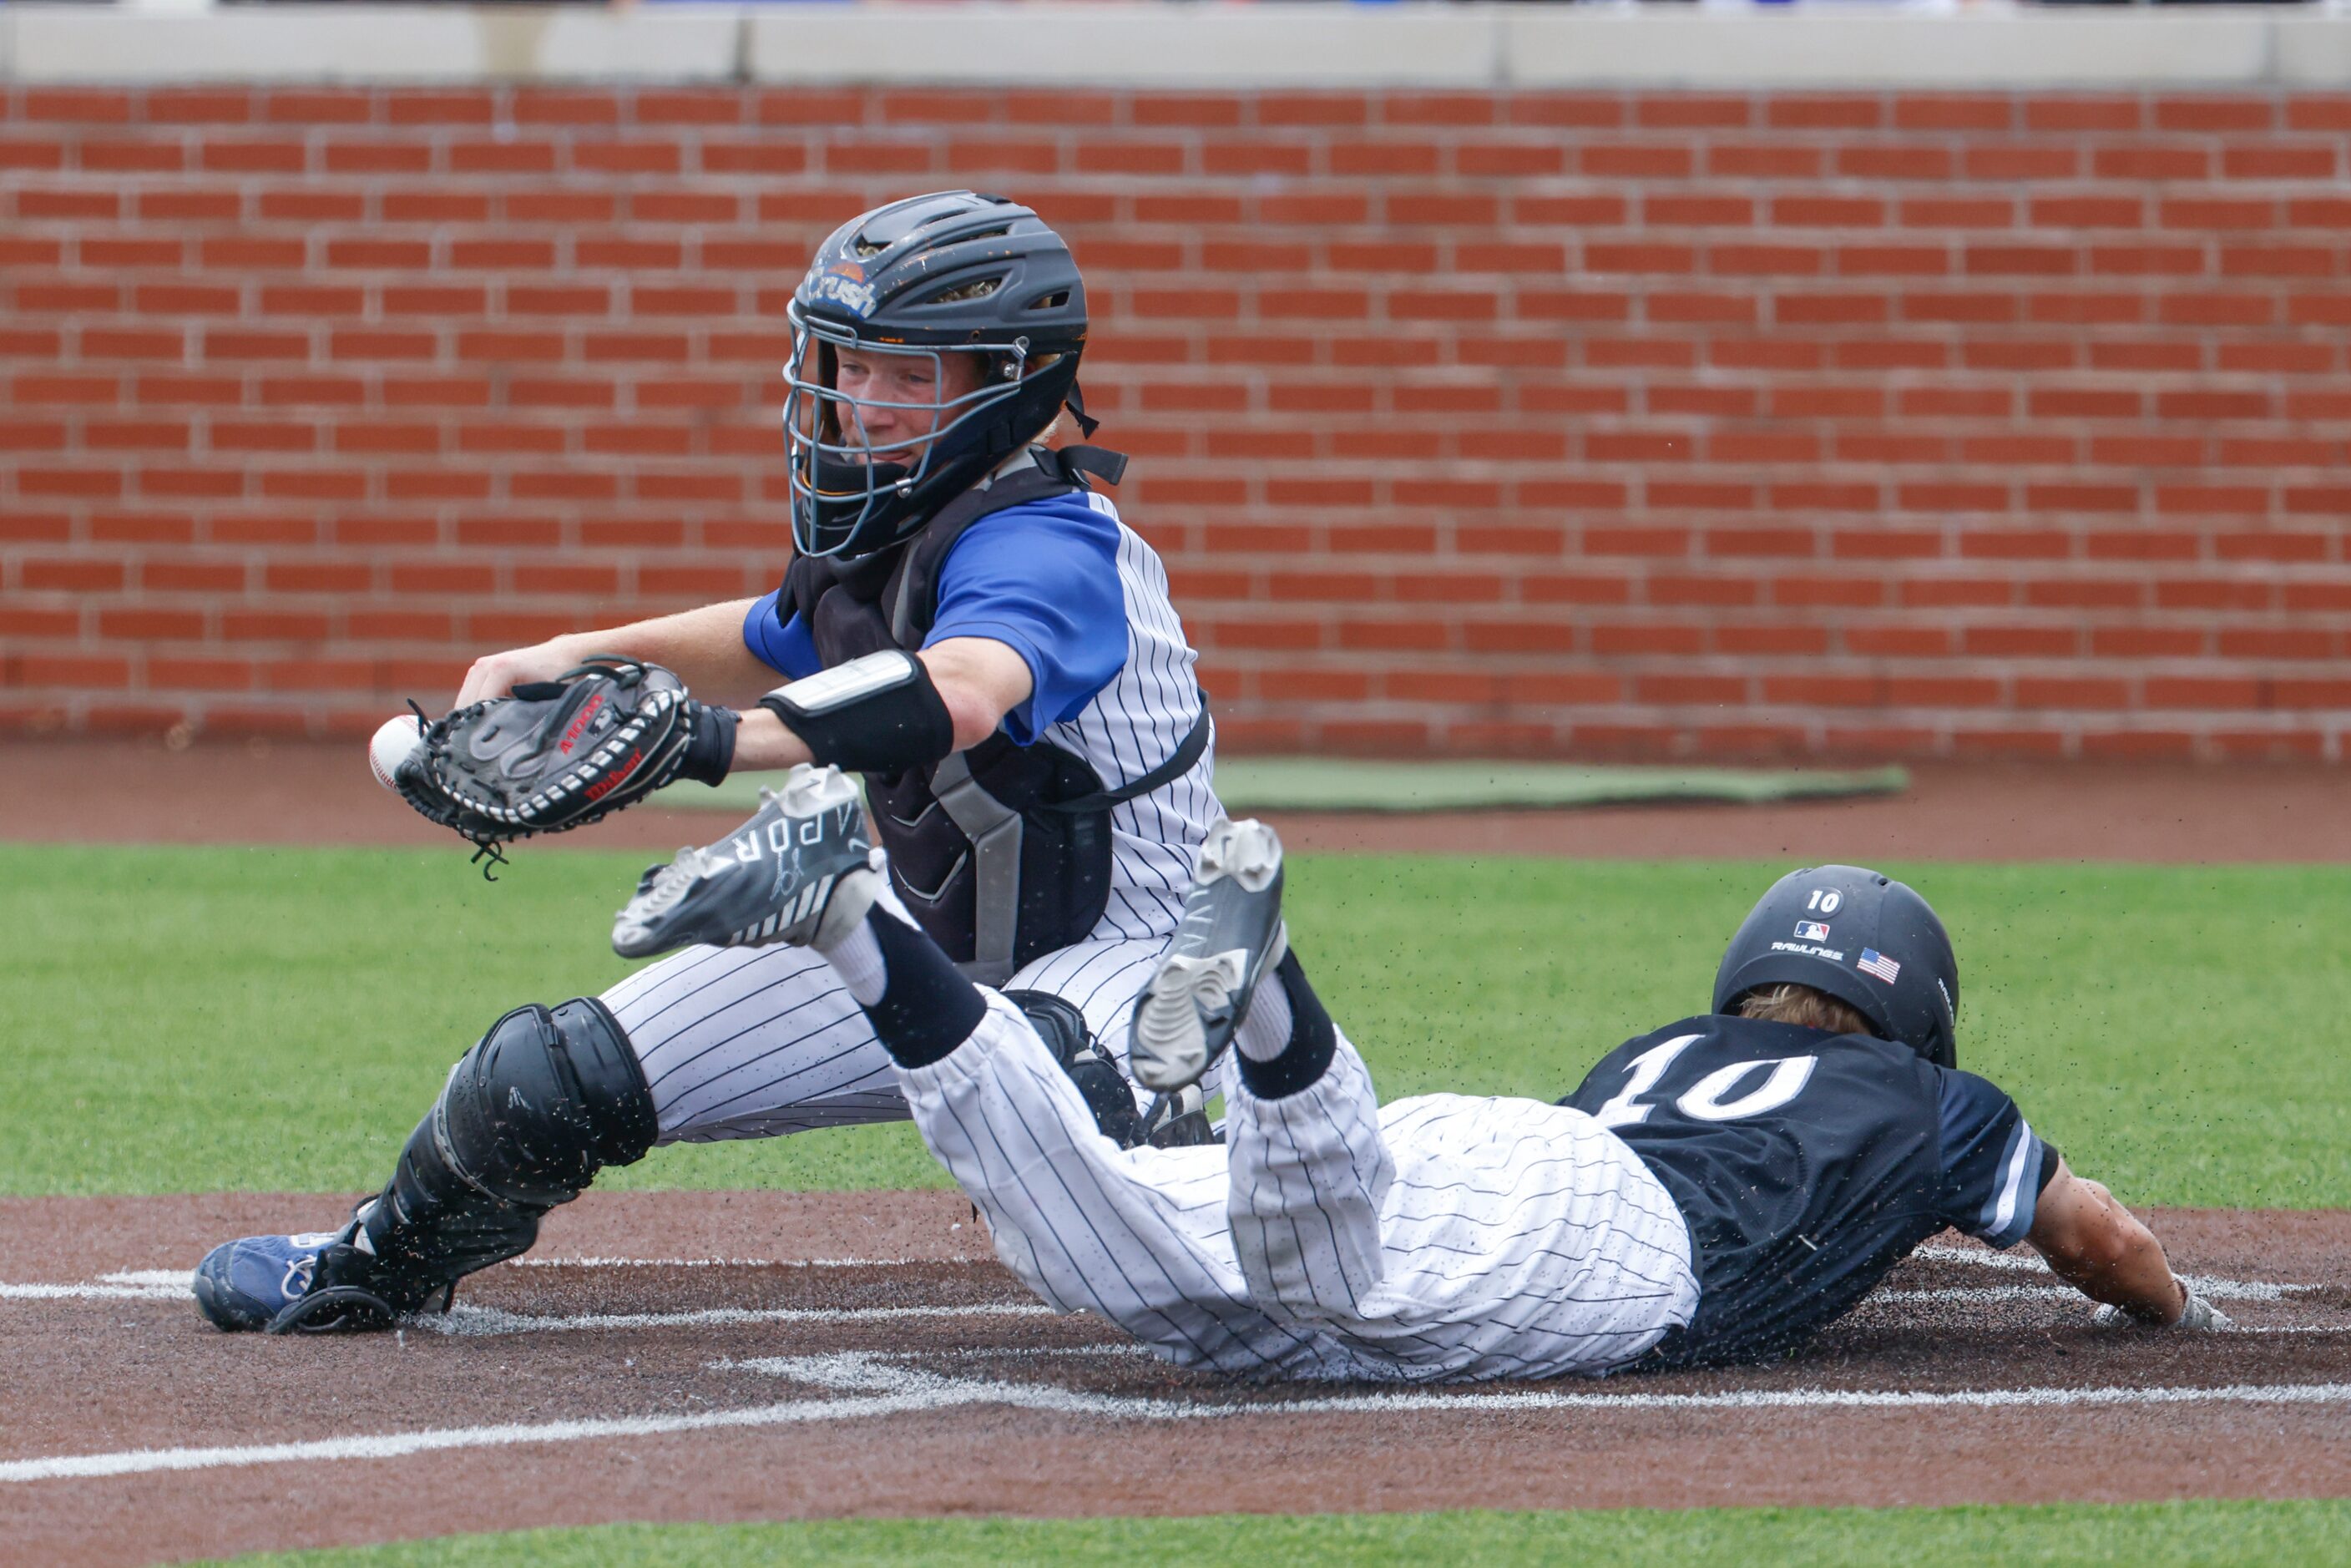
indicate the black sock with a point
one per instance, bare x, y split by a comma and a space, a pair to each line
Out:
927, 1007
1313, 1039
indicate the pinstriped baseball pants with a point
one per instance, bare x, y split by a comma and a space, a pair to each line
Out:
751, 1043
1442, 1238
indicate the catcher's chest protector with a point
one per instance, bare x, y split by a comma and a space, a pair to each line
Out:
1002, 852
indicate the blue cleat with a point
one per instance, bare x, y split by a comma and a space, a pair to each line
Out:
289, 1284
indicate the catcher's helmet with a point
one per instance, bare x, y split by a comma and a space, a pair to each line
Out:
1870, 942
949, 271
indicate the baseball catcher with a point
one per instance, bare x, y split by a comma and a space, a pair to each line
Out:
967, 622
1716, 1191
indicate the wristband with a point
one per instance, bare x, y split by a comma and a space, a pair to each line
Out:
709, 746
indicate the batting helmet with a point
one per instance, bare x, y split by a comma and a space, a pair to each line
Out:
1867, 940
952, 271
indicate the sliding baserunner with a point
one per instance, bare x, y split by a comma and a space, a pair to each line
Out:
1714, 1191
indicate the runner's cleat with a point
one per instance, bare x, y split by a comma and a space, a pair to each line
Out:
1230, 934
280, 1284
772, 880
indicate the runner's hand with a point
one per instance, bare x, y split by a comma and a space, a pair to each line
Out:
2195, 1312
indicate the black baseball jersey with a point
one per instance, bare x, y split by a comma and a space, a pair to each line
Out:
1808, 1165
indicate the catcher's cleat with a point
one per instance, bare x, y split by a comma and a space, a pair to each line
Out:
772, 880
1179, 1121
1230, 934
281, 1285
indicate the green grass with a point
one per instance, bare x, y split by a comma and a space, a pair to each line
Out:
239, 1018
2172, 1533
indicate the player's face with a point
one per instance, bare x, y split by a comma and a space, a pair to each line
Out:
875, 377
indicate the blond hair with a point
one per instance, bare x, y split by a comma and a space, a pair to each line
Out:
1802, 1006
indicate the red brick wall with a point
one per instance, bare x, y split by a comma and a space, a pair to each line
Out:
1561, 423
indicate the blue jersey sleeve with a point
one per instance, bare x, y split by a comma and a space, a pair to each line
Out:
1042, 579
784, 646
1993, 1165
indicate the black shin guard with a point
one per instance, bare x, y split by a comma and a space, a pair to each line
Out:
1099, 1083
1313, 1039
529, 1116
927, 1007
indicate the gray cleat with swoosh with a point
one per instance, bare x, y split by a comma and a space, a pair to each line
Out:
774, 879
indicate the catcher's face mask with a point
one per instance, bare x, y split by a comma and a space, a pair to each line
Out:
868, 427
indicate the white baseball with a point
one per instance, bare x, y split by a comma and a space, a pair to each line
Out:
391, 745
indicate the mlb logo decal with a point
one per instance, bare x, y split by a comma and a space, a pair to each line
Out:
1811, 931
1872, 962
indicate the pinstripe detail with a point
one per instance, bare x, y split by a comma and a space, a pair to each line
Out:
1131, 726
754, 1042
1539, 1244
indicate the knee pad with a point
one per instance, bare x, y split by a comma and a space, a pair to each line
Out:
544, 1101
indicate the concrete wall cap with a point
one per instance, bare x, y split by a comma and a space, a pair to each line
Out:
435, 44
1852, 47
1156, 45
1477, 46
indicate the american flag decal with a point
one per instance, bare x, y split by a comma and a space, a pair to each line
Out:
1874, 962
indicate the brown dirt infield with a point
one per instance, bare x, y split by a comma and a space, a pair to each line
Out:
908, 1374
135, 791
965, 1397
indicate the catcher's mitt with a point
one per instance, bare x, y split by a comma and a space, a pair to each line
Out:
560, 754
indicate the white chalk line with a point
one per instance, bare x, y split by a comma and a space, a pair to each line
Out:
467, 1319
723, 1262
990, 1352
94, 1293
2209, 1285
2061, 1296
869, 1387
885, 1372
471, 1321
1987, 1294
2018, 1263
397, 1445
1970, 1294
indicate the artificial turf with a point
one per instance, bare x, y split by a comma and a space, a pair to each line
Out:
208, 1018
2086, 1533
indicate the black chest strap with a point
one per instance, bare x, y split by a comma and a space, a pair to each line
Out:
1180, 761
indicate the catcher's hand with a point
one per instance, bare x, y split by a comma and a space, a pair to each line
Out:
560, 754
